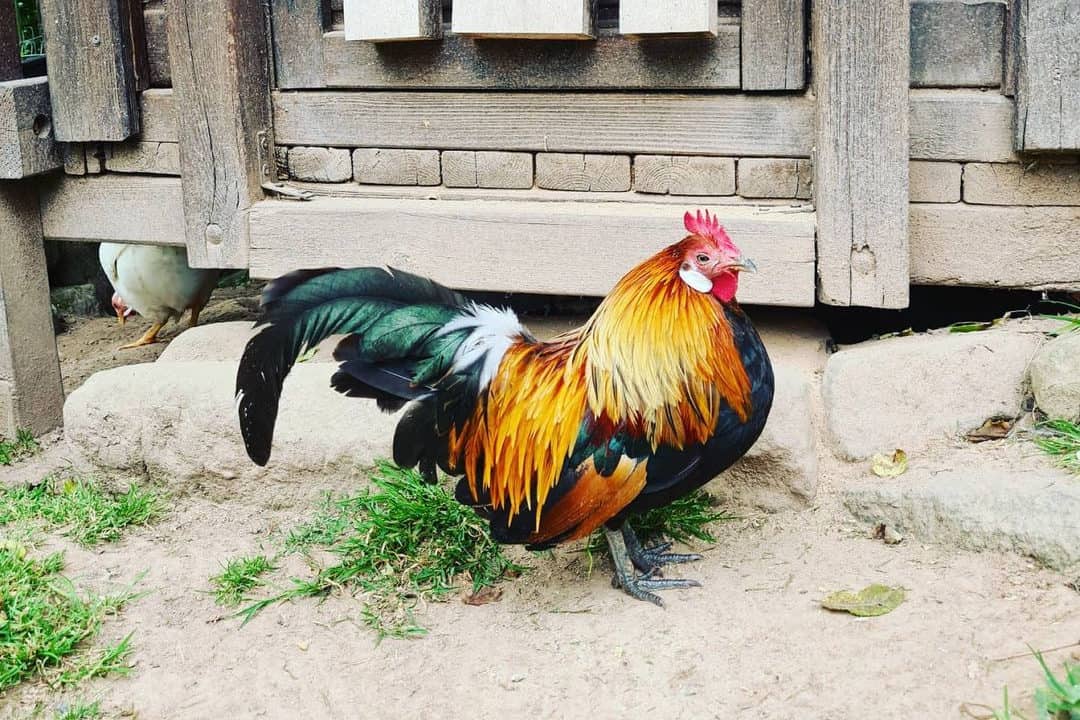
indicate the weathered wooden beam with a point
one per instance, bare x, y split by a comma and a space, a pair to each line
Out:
957, 43
390, 20
582, 122
1041, 183
114, 207
10, 61
861, 160
1048, 76
27, 144
158, 109
558, 247
674, 17
220, 61
961, 125
31, 391
153, 158
298, 41
93, 57
773, 45
567, 19
157, 46
1034, 247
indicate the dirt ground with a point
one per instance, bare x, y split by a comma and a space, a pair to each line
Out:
753, 642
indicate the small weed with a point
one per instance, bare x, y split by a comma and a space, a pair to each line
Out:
400, 543
1061, 439
239, 577
1058, 699
23, 446
44, 620
81, 711
87, 514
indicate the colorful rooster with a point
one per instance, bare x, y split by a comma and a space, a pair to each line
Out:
665, 386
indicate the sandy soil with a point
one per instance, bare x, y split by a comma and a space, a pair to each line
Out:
753, 642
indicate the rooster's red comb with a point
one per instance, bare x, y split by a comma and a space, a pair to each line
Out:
708, 226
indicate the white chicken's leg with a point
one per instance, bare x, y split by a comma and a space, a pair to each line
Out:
148, 338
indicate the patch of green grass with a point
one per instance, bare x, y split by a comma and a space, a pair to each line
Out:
45, 622
238, 578
84, 512
23, 446
399, 543
81, 711
1058, 699
28, 25
1061, 439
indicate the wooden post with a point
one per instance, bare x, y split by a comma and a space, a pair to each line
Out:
96, 59
219, 54
1048, 76
773, 45
861, 69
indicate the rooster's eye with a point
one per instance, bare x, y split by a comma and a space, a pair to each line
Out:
702, 258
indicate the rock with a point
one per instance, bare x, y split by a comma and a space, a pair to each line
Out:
224, 341
1055, 377
1030, 511
906, 392
781, 471
74, 300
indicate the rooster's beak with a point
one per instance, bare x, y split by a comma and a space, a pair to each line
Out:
743, 264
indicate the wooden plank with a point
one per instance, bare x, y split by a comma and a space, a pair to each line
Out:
861, 161
382, 166
10, 62
674, 17
726, 124
154, 158
585, 172
114, 207
961, 125
158, 110
27, 144
957, 43
949, 246
487, 169
157, 46
676, 175
221, 78
934, 181
1012, 48
567, 19
775, 178
389, 20
558, 247
316, 164
611, 62
773, 45
93, 59
1033, 184
297, 41
31, 391
1048, 76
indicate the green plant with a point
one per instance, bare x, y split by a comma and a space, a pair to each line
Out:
23, 446
80, 711
239, 577
1061, 439
1058, 699
28, 26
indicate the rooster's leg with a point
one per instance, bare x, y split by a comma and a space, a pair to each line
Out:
638, 586
148, 338
651, 559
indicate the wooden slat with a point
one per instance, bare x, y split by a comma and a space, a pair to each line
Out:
558, 248
154, 158
593, 122
387, 20
93, 69
31, 392
611, 62
961, 125
673, 17
116, 207
568, 19
158, 110
773, 45
157, 46
1048, 76
1040, 183
957, 43
221, 79
27, 145
950, 246
10, 63
861, 160
297, 41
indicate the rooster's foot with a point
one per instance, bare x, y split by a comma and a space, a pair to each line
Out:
149, 338
638, 586
649, 560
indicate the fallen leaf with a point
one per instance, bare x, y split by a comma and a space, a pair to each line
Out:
991, 430
483, 596
871, 601
888, 466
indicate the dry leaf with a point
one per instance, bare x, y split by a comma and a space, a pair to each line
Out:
889, 466
991, 430
871, 601
483, 596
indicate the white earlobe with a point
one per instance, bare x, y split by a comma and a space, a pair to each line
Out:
696, 280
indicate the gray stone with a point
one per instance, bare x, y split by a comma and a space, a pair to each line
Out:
393, 166
906, 392
224, 341
1030, 511
1055, 377
319, 164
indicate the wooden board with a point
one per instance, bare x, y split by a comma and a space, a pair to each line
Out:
1038, 183
961, 125
153, 158
297, 41
1048, 76
31, 391
557, 247
673, 17
116, 207
27, 144
861, 161
221, 79
957, 43
93, 67
583, 122
10, 63
773, 45
1035, 247
157, 46
540, 19
611, 62
158, 110
388, 20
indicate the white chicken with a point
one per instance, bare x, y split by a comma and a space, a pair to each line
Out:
156, 282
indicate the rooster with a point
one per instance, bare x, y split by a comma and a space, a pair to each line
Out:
665, 386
